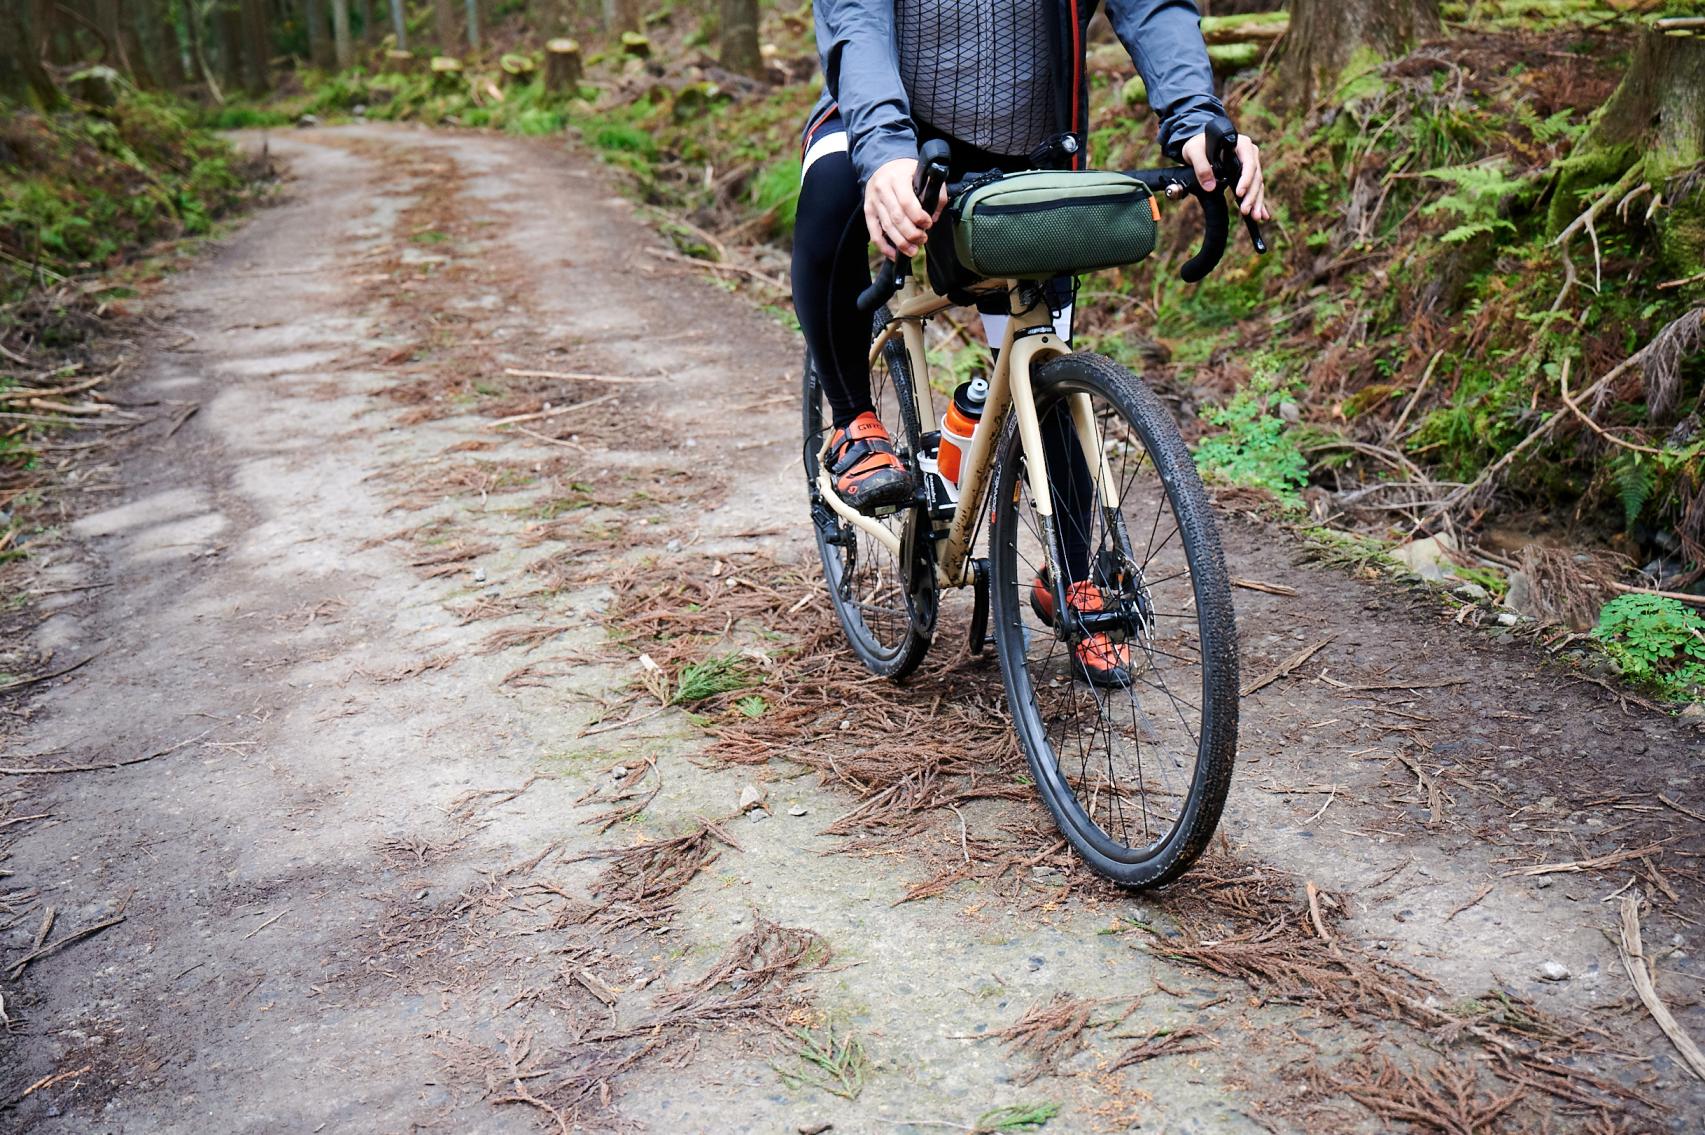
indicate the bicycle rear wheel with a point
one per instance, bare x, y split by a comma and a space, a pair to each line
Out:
1135, 776
886, 604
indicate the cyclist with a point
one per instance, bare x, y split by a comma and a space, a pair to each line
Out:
1005, 82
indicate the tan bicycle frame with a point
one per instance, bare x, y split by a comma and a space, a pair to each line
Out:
1029, 341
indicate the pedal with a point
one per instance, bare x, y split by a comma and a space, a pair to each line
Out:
979, 636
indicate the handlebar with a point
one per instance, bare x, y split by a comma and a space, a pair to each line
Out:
928, 183
1172, 183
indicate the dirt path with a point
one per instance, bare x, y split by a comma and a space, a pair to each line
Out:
419, 850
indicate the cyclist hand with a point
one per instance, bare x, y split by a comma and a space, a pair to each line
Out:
891, 210
1251, 190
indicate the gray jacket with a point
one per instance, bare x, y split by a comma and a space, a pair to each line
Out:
855, 40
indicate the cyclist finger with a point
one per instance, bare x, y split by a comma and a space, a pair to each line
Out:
873, 224
899, 223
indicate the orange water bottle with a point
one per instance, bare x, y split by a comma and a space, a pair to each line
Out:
957, 426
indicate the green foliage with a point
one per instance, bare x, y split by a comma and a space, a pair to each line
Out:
88, 189
1657, 642
1635, 479
1255, 446
776, 190
829, 1058
1016, 1117
700, 681
1478, 199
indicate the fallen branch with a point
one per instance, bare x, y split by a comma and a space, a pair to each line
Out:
713, 266
103, 768
1640, 973
75, 936
1597, 863
1285, 668
1586, 419
1267, 588
582, 376
50, 675
555, 412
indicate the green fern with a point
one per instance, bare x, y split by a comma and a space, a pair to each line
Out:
1477, 199
1635, 481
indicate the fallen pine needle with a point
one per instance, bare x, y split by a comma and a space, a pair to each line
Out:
582, 376
265, 924
553, 412
1640, 973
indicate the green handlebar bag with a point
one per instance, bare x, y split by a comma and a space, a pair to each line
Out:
1045, 223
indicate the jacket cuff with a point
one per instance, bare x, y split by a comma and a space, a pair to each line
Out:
1185, 122
882, 145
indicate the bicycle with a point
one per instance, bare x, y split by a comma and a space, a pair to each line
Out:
1092, 750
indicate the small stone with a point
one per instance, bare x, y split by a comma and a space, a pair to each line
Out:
798, 810
814, 1128
618, 772
1553, 971
479, 575
1473, 592
1290, 412
672, 546
1048, 876
1036, 962
758, 815
750, 797
308, 120
1508, 618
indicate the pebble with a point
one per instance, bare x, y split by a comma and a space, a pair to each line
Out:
672, 546
1049, 876
1508, 618
479, 575
1036, 962
1553, 971
750, 797
758, 815
798, 810
618, 772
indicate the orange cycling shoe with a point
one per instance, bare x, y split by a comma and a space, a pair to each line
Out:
1098, 660
866, 469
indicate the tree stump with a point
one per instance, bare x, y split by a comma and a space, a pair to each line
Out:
400, 62
517, 69
562, 66
636, 45
446, 73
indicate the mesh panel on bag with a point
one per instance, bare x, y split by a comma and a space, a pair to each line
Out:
979, 70
1054, 228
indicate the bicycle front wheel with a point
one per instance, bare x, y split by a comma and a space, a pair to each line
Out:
1133, 766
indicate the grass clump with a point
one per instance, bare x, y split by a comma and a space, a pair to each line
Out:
1016, 1117
701, 681
1657, 642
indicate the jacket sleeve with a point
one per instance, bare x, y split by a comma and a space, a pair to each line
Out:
1164, 38
855, 39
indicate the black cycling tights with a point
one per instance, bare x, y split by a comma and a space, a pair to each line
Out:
831, 268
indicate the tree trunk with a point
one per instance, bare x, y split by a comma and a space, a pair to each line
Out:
340, 35
449, 33
138, 23
193, 32
23, 79
257, 47
399, 24
1651, 132
740, 37
369, 33
106, 19
1328, 37
319, 43
623, 16
228, 26
473, 25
